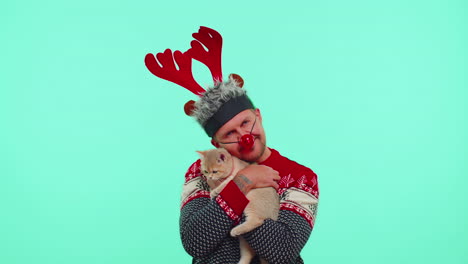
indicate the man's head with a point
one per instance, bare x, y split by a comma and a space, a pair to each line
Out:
245, 122
221, 103
228, 116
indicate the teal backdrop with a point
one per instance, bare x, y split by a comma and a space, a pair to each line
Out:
372, 95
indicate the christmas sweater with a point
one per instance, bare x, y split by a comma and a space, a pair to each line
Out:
205, 223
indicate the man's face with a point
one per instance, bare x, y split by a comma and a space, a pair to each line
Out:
241, 124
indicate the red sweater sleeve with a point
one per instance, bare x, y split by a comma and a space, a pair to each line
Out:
232, 200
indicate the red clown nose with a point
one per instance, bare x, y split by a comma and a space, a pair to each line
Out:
247, 141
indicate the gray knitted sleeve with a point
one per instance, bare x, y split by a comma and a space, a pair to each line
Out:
203, 226
280, 241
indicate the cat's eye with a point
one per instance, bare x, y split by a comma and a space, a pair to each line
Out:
205, 171
215, 171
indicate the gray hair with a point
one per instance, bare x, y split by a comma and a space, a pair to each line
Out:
211, 100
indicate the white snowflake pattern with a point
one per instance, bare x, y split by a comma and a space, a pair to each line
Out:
313, 181
301, 182
286, 181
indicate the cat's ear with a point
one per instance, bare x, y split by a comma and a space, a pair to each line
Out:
201, 153
223, 155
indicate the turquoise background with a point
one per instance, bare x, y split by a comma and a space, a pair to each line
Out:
370, 94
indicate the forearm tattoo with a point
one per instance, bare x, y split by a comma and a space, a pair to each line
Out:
242, 181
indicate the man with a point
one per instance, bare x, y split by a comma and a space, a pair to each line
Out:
228, 116
205, 223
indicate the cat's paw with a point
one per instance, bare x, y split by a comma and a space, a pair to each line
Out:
235, 232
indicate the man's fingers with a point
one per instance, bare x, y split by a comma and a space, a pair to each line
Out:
275, 185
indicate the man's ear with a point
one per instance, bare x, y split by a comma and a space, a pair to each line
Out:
214, 143
258, 114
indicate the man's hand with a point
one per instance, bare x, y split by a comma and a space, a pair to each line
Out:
256, 176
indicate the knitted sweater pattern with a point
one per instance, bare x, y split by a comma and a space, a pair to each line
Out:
205, 223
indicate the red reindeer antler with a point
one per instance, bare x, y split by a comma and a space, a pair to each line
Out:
213, 41
167, 70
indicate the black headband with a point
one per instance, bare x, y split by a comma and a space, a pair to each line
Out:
226, 112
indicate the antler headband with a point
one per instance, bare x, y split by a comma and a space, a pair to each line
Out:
220, 103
